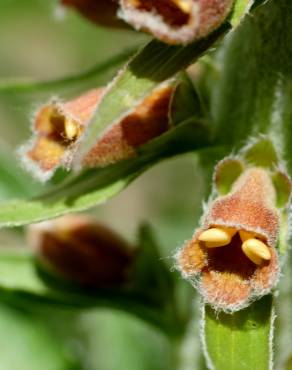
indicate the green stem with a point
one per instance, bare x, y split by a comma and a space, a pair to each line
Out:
28, 86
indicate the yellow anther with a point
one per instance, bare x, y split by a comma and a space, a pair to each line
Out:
71, 129
256, 251
183, 5
217, 237
245, 235
215, 244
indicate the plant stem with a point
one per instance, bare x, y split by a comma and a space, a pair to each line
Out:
28, 86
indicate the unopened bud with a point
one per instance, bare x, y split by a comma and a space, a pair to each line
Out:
82, 251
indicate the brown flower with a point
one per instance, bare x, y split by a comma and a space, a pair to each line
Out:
59, 126
176, 21
232, 258
81, 250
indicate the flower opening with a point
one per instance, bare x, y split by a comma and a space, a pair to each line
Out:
59, 127
232, 258
176, 21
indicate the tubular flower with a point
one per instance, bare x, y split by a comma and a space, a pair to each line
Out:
59, 126
232, 259
102, 12
176, 21
79, 249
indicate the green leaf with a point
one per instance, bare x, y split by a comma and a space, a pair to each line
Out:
22, 281
153, 65
239, 10
95, 186
148, 293
283, 339
283, 188
242, 8
28, 86
186, 102
253, 93
14, 181
240, 341
226, 174
26, 343
262, 153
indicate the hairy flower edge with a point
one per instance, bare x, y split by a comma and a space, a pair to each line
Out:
176, 21
232, 258
59, 127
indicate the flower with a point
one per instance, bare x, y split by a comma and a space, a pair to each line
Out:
81, 250
232, 258
176, 21
58, 129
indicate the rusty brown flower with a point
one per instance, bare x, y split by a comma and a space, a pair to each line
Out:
59, 126
176, 21
232, 258
82, 250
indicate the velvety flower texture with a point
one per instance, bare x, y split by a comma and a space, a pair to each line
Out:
232, 258
59, 126
176, 21
172, 21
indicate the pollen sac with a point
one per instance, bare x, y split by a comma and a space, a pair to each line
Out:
80, 250
217, 237
176, 21
233, 257
59, 127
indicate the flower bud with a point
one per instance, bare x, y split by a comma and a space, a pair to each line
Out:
102, 12
176, 21
233, 256
59, 126
82, 251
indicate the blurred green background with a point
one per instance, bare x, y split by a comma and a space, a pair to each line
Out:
41, 41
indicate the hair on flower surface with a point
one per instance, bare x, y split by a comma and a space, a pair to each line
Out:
176, 21
59, 127
233, 257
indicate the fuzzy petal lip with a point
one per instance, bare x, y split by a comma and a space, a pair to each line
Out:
176, 21
225, 277
58, 126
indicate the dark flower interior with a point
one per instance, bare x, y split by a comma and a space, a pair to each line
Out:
54, 128
169, 11
231, 259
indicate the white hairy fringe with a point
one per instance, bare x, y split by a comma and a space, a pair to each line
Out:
153, 22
